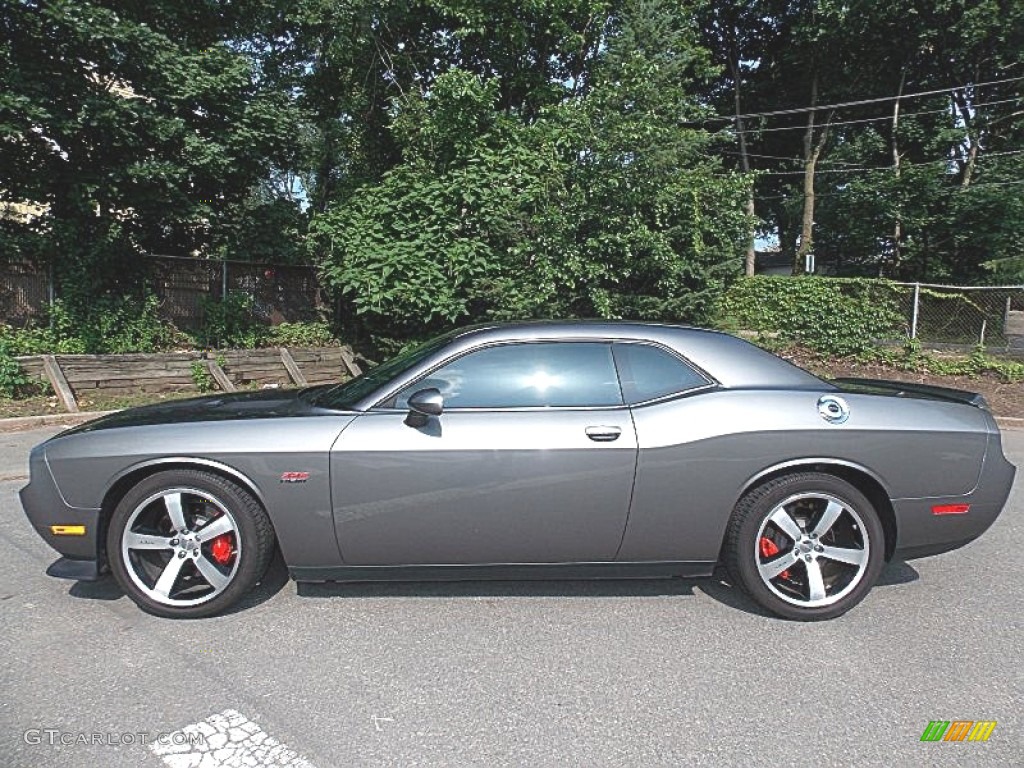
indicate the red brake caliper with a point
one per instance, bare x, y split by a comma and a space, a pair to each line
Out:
770, 549
221, 549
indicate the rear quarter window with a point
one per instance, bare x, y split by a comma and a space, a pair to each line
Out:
648, 373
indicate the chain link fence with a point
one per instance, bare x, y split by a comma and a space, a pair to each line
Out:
278, 293
25, 293
992, 316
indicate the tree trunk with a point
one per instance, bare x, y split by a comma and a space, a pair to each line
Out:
972, 156
812, 151
897, 230
749, 261
972, 141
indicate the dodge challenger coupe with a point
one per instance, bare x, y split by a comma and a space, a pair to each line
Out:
533, 450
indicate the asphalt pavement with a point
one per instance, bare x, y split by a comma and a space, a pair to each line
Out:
631, 673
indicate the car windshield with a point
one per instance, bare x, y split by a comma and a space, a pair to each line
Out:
344, 396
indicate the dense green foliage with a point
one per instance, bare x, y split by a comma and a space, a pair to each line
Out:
454, 160
231, 324
11, 375
122, 325
602, 206
108, 325
831, 316
838, 319
136, 127
916, 179
301, 335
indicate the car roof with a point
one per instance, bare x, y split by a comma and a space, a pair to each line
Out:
733, 362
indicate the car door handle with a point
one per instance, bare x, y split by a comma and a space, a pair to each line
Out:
603, 434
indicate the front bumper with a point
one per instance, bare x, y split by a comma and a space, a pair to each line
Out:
923, 533
45, 508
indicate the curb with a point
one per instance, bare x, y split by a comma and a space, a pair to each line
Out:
22, 423
1009, 422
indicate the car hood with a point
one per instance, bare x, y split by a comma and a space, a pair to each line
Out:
264, 404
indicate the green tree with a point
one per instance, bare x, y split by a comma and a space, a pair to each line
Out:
136, 127
604, 204
883, 186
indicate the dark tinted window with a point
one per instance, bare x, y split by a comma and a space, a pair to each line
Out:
649, 372
526, 375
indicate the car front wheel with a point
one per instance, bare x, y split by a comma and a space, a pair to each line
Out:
805, 546
187, 544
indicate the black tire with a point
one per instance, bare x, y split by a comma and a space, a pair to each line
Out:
824, 577
200, 499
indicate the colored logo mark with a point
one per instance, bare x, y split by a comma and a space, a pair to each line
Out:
958, 730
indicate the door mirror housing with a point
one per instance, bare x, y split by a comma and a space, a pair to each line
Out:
423, 404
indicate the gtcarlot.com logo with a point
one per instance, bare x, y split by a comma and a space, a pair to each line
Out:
958, 730
53, 737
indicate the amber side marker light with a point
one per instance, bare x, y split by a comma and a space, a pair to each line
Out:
67, 530
951, 509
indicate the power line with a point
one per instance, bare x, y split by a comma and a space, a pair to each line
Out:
863, 102
777, 157
887, 167
871, 119
843, 193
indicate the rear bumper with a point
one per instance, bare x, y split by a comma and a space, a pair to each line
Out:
921, 532
45, 507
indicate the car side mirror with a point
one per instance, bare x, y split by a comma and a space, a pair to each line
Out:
423, 404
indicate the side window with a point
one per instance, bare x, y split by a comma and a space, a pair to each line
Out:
541, 374
648, 372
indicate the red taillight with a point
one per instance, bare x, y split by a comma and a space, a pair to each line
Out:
951, 509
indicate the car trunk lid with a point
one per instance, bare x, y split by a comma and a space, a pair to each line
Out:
911, 389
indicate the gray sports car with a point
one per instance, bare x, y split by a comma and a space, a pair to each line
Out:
524, 451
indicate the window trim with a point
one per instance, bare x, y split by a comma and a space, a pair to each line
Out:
379, 407
710, 382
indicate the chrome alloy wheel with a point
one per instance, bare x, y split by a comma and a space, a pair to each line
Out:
181, 547
812, 550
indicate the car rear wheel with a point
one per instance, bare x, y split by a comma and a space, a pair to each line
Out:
805, 546
186, 544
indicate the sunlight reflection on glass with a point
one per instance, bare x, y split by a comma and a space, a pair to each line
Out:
541, 381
